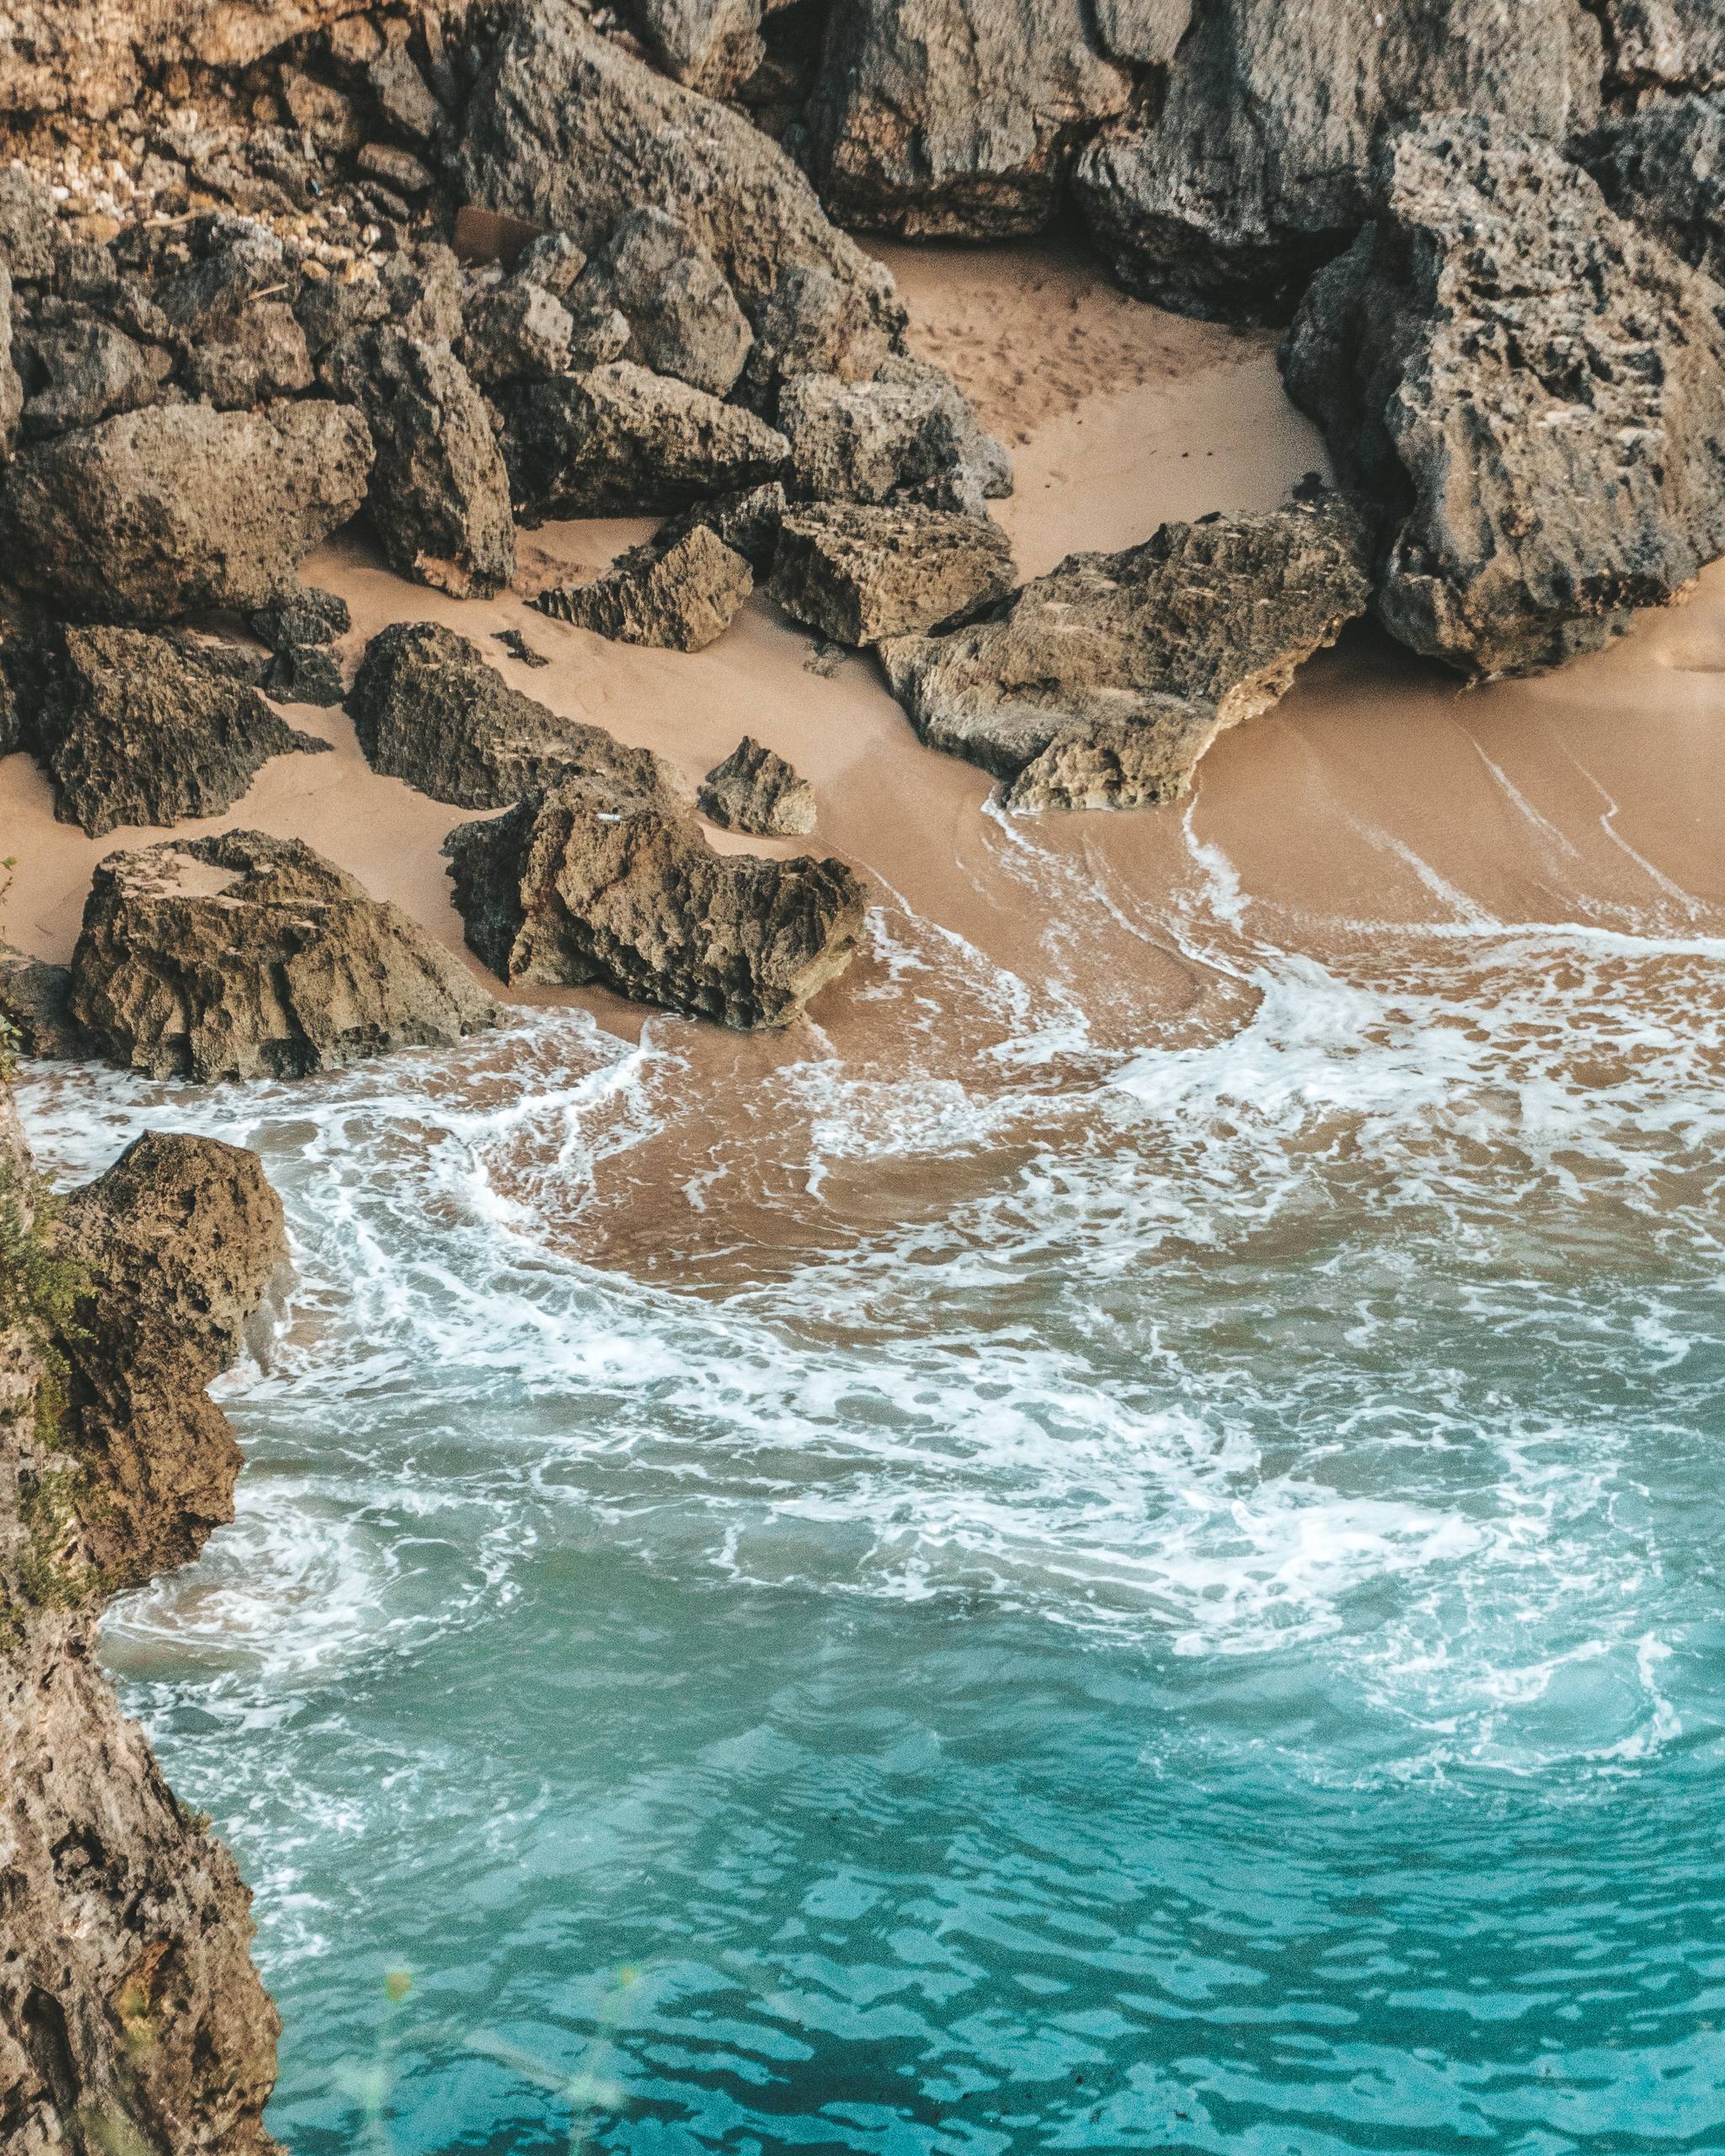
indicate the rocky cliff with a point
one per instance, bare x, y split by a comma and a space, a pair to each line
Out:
131, 2015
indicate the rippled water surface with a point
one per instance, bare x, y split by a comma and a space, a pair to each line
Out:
1056, 1598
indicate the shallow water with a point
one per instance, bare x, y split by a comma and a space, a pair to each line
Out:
1012, 1595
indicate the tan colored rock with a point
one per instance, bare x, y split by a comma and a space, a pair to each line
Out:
680, 600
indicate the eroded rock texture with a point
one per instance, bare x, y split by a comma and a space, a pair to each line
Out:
1256, 167
130, 2016
243, 956
755, 790
1662, 166
680, 598
429, 708
1102, 683
859, 575
910, 434
580, 883
1533, 389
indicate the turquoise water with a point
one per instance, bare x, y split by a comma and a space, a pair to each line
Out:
1073, 1600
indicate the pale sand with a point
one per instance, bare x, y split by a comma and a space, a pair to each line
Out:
1378, 792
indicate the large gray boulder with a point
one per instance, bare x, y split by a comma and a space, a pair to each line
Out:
429, 708
622, 440
1102, 683
581, 884
961, 118
858, 574
909, 435
1223, 197
1662, 167
683, 318
243, 956
439, 491
155, 513
1533, 389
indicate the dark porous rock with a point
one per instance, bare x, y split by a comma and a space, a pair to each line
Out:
812, 323
1673, 45
28, 218
1224, 196
961, 118
857, 573
755, 790
34, 1009
11, 382
575, 885
517, 332
1662, 167
552, 261
154, 514
747, 522
1533, 389
403, 94
621, 441
243, 956
910, 436
398, 169
683, 318
304, 674
250, 357
565, 127
682, 599
517, 645
328, 311
133, 730
305, 616
429, 708
440, 492
1200, 627
713, 45
80, 369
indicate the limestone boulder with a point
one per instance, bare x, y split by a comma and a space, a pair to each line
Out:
858, 574
755, 790
684, 318
1662, 166
682, 598
909, 435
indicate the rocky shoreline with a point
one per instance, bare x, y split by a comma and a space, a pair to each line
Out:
459, 272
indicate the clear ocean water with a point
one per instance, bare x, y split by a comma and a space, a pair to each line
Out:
1067, 1598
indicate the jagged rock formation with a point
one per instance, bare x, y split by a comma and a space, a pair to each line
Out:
909, 435
1102, 683
429, 707
961, 117
580, 883
755, 790
683, 318
304, 617
748, 523
133, 730
155, 513
1662, 167
243, 956
682, 599
130, 2014
1226, 195
1533, 389
623, 440
33, 1003
439, 493
859, 575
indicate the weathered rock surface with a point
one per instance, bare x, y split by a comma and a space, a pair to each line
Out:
564, 128
439, 493
155, 513
580, 884
682, 599
857, 573
961, 118
910, 436
429, 708
683, 318
1533, 389
712, 46
80, 369
622, 440
1677, 45
517, 331
33, 1003
251, 356
747, 522
304, 674
1662, 167
242, 955
755, 790
130, 2013
1104, 682
134, 731
1224, 197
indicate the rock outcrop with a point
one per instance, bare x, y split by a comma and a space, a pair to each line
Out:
131, 2015
34, 1004
858, 574
155, 513
1533, 389
1102, 683
909, 435
1226, 195
429, 708
581, 884
243, 956
755, 790
133, 730
682, 599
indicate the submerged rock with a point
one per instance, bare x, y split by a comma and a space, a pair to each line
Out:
580, 884
1102, 683
243, 956
1534, 390
858, 574
155, 513
910, 436
133, 730
429, 707
755, 790
680, 600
